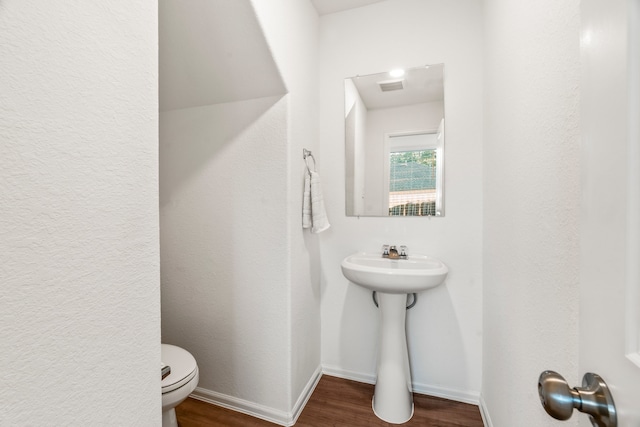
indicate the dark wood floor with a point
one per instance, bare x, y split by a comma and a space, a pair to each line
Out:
339, 403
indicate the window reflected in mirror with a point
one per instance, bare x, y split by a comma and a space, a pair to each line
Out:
411, 184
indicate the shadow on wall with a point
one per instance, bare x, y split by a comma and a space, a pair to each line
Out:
223, 181
360, 324
205, 131
432, 330
312, 246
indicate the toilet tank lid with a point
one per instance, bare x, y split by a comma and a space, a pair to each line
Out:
182, 364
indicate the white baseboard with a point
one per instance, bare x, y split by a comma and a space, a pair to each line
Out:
463, 396
430, 390
243, 406
289, 418
349, 375
484, 412
260, 411
306, 394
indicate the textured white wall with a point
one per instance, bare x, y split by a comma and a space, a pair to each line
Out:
355, 144
224, 284
445, 328
531, 203
291, 30
240, 279
80, 317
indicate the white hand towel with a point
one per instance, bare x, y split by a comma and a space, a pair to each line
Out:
306, 202
314, 215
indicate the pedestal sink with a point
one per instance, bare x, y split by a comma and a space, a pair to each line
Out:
393, 279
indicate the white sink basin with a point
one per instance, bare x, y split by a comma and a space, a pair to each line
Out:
394, 276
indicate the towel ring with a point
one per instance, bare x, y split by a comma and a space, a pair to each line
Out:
305, 154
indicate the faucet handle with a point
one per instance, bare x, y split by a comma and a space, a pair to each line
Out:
385, 250
403, 251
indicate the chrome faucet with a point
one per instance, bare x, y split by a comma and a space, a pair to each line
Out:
390, 251
393, 253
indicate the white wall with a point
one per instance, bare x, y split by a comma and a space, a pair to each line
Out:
355, 144
80, 317
531, 203
445, 328
224, 288
240, 279
291, 30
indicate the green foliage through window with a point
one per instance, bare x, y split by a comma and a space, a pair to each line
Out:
412, 170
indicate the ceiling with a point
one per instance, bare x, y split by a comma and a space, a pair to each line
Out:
423, 84
325, 7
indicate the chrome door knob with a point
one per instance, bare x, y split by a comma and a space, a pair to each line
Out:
593, 398
557, 398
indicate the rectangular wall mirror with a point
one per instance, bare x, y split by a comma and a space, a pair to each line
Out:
394, 143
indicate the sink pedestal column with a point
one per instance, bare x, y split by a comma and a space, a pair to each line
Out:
393, 397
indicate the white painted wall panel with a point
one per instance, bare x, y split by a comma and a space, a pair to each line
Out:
291, 30
240, 278
445, 328
80, 315
224, 282
531, 203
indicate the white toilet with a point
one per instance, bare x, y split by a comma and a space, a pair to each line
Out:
177, 386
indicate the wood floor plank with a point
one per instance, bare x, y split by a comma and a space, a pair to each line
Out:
337, 402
